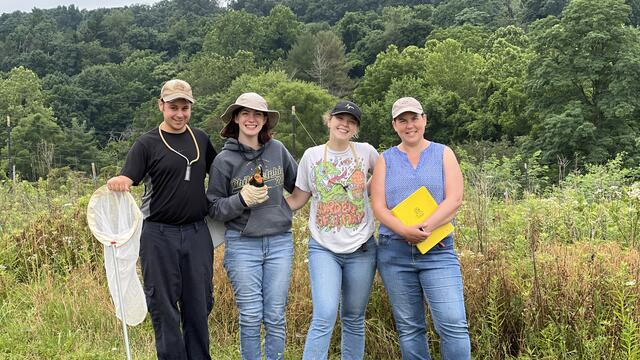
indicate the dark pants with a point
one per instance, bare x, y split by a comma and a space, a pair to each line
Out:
177, 265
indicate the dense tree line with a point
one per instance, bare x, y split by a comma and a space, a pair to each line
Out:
551, 80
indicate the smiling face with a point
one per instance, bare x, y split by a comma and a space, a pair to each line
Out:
250, 122
410, 127
176, 114
342, 127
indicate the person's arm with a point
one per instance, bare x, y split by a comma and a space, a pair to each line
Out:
223, 205
134, 169
290, 168
298, 198
373, 158
453, 192
302, 191
379, 205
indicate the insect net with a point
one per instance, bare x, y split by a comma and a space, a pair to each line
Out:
116, 221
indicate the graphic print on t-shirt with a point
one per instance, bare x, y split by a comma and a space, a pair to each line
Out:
340, 183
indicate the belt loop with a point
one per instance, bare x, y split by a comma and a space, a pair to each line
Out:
196, 225
161, 227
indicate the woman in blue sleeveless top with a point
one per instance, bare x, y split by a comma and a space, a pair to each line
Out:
409, 276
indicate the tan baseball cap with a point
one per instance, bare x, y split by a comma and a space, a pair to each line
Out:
176, 89
406, 104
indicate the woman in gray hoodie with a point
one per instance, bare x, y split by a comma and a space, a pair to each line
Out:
245, 191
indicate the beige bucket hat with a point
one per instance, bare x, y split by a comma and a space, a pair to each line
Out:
252, 101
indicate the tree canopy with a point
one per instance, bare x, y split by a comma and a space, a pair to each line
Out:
555, 78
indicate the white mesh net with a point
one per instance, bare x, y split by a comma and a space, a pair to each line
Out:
115, 220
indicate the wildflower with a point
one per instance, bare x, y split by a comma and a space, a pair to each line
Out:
634, 191
630, 283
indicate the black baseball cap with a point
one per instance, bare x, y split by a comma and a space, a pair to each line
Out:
347, 107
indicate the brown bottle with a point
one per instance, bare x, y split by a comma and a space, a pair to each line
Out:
257, 180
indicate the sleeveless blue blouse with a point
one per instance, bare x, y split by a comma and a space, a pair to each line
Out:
401, 179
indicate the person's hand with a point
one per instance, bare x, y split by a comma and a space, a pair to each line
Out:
415, 234
253, 195
119, 183
426, 227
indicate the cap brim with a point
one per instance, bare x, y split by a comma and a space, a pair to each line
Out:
172, 97
412, 109
345, 112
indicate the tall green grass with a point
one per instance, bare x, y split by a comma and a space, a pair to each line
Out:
553, 275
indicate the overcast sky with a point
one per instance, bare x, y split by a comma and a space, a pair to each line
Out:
8, 6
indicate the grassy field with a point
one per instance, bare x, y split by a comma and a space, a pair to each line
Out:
553, 275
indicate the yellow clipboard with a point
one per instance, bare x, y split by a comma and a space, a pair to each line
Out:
415, 209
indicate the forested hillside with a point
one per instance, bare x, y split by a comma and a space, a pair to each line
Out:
549, 82
538, 99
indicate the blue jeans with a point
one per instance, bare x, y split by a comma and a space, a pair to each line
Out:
409, 278
345, 280
259, 269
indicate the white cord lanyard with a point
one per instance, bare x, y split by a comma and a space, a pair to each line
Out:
187, 174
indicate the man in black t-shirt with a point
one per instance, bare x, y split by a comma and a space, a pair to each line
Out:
176, 251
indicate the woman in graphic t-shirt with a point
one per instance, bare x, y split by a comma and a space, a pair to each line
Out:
342, 250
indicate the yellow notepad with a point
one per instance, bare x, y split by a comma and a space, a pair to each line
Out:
417, 208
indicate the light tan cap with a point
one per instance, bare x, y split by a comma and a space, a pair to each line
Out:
406, 104
176, 89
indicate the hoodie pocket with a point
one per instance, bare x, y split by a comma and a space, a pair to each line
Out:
268, 220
